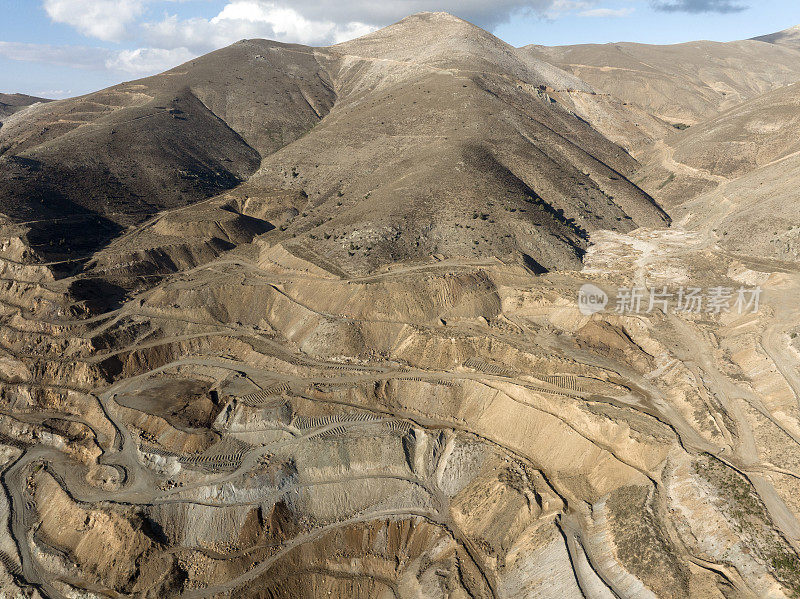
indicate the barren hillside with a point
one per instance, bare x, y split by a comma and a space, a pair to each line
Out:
374, 159
753, 152
788, 37
683, 83
11, 103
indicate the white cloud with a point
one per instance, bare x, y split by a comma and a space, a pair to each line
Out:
54, 94
383, 12
285, 23
107, 20
606, 12
148, 61
172, 40
304, 21
247, 19
139, 62
558, 8
315, 22
351, 31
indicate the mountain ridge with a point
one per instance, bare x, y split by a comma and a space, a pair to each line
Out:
287, 108
787, 37
681, 83
11, 103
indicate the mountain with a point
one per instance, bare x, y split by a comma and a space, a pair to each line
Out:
682, 83
754, 215
441, 40
755, 133
753, 151
116, 157
11, 103
470, 160
367, 158
788, 37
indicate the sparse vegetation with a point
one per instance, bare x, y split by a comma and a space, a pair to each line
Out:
667, 181
751, 519
642, 543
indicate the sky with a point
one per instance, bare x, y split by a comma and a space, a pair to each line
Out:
63, 48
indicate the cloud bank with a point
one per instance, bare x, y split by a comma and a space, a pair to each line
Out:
700, 6
155, 38
156, 41
106, 20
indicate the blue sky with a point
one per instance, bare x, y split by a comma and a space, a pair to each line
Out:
61, 48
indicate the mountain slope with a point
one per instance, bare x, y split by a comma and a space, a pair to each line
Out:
308, 357
755, 134
439, 40
681, 83
788, 37
11, 103
755, 215
118, 156
452, 148
753, 150
759, 131
430, 136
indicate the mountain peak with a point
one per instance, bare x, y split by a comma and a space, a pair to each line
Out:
423, 27
442, 40
434, 14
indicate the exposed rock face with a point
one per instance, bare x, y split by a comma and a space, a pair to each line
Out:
355, 365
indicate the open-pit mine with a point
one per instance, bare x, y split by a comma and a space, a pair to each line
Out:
291, 322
